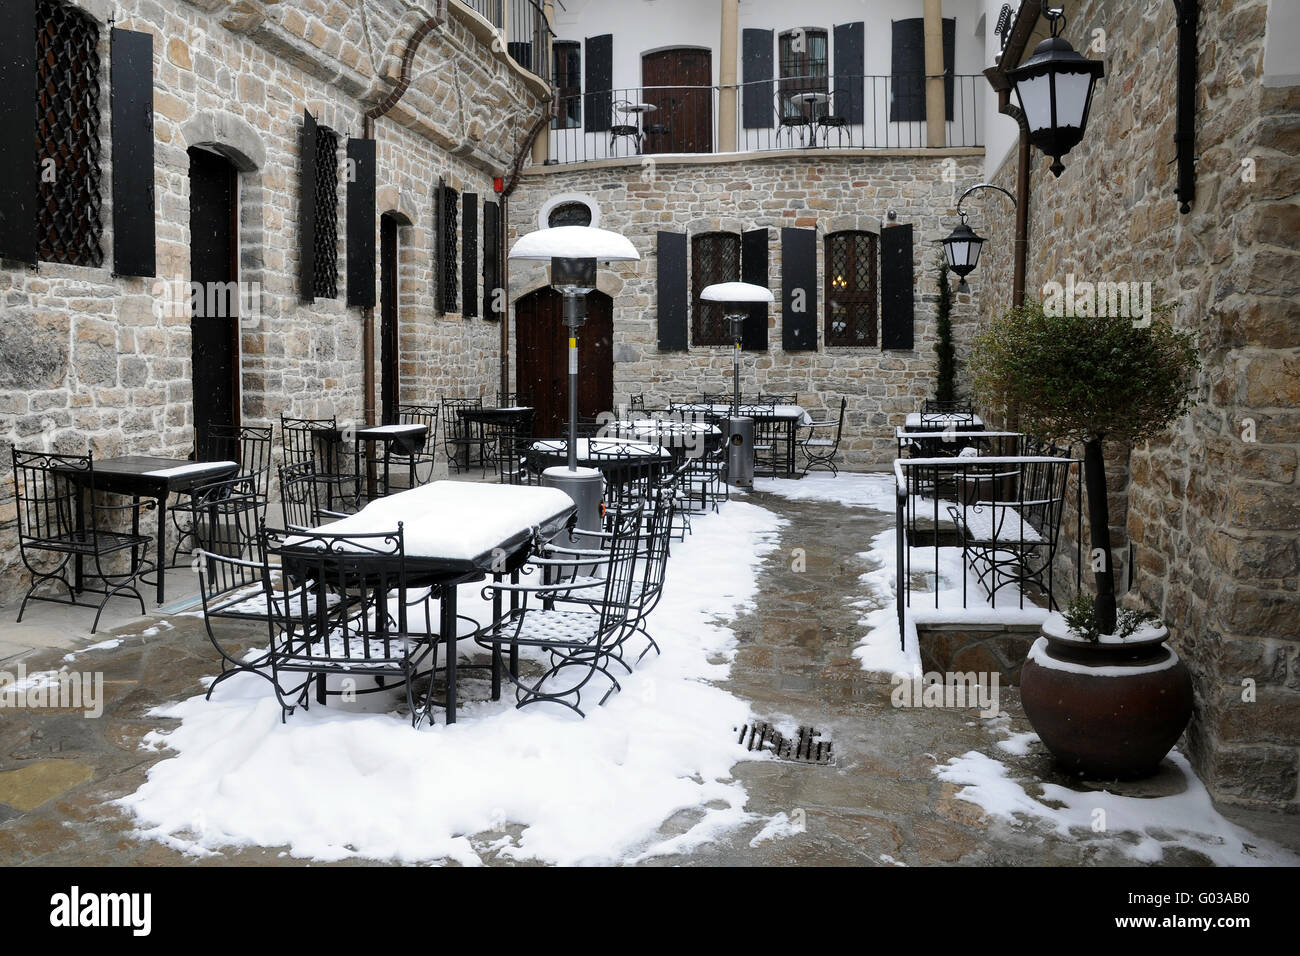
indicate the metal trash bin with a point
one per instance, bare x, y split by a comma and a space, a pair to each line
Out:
740, 452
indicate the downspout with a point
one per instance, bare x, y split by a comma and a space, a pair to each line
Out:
368, 132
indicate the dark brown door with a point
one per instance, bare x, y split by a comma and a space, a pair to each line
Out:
388, 380
683, 120
541, 359
214, 321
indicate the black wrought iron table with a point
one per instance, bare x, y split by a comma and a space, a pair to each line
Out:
787, 417
406, 439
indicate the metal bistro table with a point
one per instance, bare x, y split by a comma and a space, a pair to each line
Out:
144, 476
483, 416
461, 531
682, 438
613, 457
408, 439
788, 417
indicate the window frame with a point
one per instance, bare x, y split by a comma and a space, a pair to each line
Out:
568, 94
851, 299
804, 78
702, 313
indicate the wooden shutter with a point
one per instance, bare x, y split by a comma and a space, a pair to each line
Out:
469, 255
491, 258
758, 93
598, 72
753, 269
307, 209
949, 42
907, 69
131, 76
896, 287
849, 66
799, 290
19, 175
671, 291
361, 222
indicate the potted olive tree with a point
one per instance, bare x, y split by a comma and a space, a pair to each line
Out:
1105, 693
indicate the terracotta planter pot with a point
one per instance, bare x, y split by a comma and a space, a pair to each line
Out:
1109, 710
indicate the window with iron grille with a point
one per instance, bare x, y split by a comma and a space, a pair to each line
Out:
448, 263
67, 135
569, 214
851, 288
715, 257
804, 61
567, 77
325, 281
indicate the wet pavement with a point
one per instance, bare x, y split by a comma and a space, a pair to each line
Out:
878, 803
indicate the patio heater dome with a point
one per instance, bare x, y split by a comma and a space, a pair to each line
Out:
1054, 88
573, 252
741, 292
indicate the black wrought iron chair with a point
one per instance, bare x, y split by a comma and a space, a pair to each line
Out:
792, 121
346, 618
300, 497
820, 445
62, 523
513, 399
320, 440
463, 439
250, 446
419, 464
580, 643
511, 439
932, 406
769, 434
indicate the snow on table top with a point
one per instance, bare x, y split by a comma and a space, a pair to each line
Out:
601, 446
653, 426
916, 419
748, 408
391, 429
456, 520
190, 468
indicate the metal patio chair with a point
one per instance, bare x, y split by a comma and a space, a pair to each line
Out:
61, 523
462, 438
300, 497
820, 445
250, 445
320, 440
419, 464
511, 439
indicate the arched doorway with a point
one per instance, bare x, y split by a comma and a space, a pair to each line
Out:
541, 358
678, 83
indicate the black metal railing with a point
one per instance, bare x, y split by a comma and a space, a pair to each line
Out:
524, 27
842, 112
1001, 510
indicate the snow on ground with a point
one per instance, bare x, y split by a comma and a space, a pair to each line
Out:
853, 490
335, 782
1187, 819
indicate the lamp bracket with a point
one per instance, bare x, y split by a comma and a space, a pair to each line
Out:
979, 186
1055, 18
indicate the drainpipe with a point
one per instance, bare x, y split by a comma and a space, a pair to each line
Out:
375, 112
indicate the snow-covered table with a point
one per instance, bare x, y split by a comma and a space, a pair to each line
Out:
459, 531
785, 417
942, 421
611, 456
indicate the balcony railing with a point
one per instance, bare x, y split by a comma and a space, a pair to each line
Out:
843, 112
525, 29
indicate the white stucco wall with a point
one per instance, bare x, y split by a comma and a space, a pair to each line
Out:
1282, 44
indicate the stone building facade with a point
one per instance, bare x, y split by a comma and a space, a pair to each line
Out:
828, 191
90, 361
1212, 510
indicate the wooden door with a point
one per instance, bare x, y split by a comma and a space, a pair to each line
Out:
388, 339
679, 82
214, 315
541, 359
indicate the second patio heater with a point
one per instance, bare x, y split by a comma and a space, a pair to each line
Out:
573, 252
738, 298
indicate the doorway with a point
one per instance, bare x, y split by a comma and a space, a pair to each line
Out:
678, 82
214, 295
388, 339
541, 358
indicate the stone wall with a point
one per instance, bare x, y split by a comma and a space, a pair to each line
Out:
1212, 509
826, 190
94, 362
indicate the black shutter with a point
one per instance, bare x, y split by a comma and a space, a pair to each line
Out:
469, 255
131, 75
19, 177
907, 66
599, 79
753, 269
896, 287
361, 222
439, 246
449, 282
307, 209
949, 41
670, 290
799, 290
849, 66
491, 259
758, 94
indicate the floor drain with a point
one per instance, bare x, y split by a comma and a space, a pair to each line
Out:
805, 748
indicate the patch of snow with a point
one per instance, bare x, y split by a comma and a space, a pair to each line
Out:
191, 468
874, 490
1038, 654
109, 645
1055, 626
1018, 744
886, 858
332, 782
777, 828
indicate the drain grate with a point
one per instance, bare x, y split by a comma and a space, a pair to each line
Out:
805, 748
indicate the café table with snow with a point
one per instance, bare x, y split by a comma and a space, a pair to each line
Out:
456, 532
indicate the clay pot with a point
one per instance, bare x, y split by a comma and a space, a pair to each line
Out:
1110, 710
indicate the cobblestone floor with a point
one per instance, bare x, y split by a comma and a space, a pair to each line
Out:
879, 803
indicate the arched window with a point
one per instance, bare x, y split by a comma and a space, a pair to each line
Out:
715, 257
570, 214
851, 288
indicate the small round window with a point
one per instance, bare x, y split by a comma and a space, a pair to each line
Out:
569, 214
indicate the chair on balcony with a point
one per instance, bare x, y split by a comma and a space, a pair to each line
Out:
58, 527
624, 126
822, 442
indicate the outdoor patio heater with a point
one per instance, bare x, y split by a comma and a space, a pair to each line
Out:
737, 298
573, 252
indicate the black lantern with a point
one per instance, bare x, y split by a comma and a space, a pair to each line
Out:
1054, 89
962, 250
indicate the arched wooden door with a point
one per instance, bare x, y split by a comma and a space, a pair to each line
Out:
541, 358
678, 83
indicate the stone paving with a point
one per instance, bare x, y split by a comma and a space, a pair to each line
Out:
879, 803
